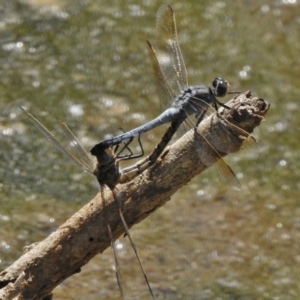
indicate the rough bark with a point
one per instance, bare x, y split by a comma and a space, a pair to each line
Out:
47, 263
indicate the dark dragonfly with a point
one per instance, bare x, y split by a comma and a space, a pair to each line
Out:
171, 81
108, 174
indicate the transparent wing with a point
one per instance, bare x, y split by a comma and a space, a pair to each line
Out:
165, 92
168, 51
222, 167
83, 156
82, 159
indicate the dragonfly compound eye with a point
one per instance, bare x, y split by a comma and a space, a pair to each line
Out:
221, 87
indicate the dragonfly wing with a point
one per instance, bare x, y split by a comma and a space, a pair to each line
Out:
165, 92
222, 167
168, 50
82, 155
227, 173
87, 164
250, 146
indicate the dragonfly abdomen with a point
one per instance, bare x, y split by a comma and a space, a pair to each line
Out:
167, 116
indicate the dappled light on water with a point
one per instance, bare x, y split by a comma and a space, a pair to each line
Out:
86, 64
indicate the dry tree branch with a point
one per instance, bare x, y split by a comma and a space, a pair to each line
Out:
38, 271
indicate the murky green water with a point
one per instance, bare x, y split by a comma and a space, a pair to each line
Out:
86, 62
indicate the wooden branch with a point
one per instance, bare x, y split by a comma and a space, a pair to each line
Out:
46, 264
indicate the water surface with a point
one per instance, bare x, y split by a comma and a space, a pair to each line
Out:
86, 63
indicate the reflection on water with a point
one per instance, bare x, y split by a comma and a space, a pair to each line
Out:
86, 63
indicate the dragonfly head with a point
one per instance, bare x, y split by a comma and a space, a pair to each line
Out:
220, 87
104, 155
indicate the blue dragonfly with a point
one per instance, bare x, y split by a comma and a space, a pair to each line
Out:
172, 87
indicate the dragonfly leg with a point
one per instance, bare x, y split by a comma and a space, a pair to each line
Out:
200, 117
130, 155
220, 103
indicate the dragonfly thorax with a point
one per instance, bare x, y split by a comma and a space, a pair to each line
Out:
107, 168
193, 93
